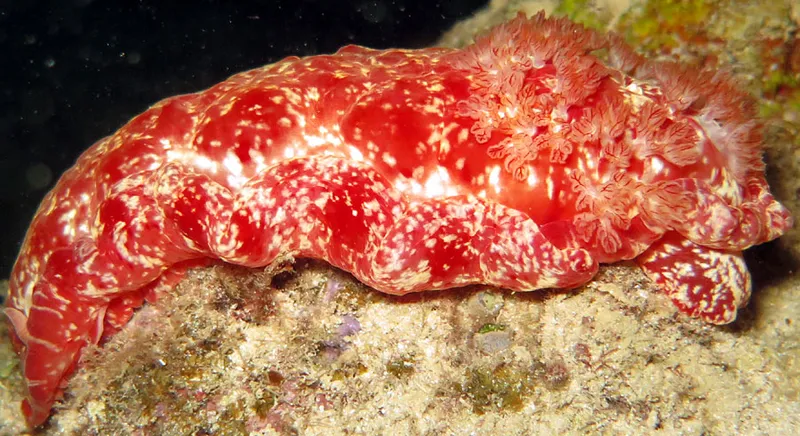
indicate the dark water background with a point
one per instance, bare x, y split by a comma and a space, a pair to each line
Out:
73, 71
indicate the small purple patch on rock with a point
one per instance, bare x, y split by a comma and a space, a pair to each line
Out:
349, 326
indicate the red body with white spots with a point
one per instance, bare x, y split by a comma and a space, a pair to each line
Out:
522, 162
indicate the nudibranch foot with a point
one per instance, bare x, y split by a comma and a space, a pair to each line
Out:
703, 282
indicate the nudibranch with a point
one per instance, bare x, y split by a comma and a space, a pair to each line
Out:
522, 161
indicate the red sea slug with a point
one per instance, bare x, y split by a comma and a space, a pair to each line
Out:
521, 161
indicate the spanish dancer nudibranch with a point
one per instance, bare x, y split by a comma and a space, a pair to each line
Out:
522, 161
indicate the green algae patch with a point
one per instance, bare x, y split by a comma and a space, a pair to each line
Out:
665, 24
585, 12
491, 327
494, 389
401, 367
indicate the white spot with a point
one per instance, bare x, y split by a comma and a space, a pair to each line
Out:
314, 141
355, 153
494, 178
388, 159
533, 179
234, 166
656, 165
439, 184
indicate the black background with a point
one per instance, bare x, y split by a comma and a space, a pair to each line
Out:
73, 71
